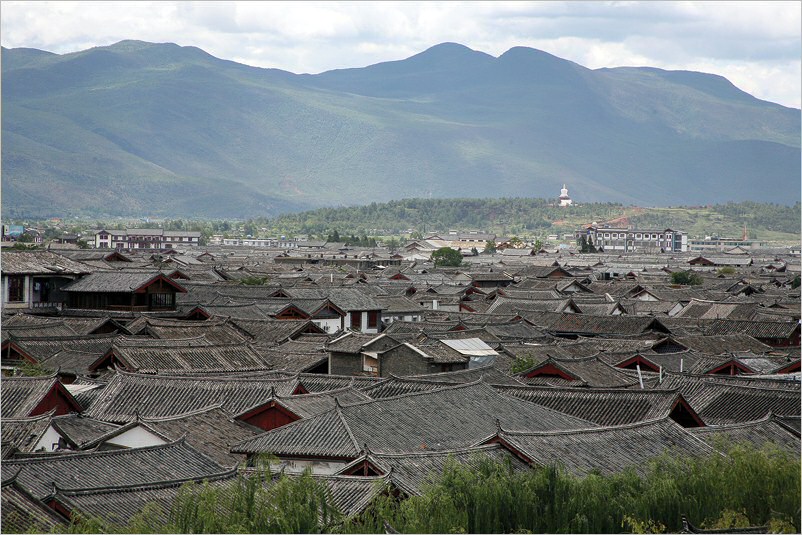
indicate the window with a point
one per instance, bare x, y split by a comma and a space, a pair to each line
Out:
16, 287
356, 321
373, 319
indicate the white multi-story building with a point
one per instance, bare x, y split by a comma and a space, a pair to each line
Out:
631, 240
146, 238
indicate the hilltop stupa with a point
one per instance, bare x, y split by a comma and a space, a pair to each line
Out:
565, 200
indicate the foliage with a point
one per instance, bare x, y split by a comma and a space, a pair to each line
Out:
521, 364
253, 280
31, 369
687, 278
726, 270
20, 246
490, 247
446, 257
763, 485
796, 283
744, 487
586, 245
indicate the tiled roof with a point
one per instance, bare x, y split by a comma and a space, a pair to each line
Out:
397, 386
176, 460
270, 331
140, 353
118, 504
590, 371
411, 471
24, 513
721, 400
23, 434
722, 343
767, 430
211, 430
80, 430
43, 348
602, 406
130, 394
465, 414
115, 281
217, 331
40, 263
314, 382
607, 449
21, 395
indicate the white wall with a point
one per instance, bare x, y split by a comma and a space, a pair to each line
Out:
138, 437
297, 466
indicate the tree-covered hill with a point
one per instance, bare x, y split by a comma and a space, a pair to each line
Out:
139, 128
537, 217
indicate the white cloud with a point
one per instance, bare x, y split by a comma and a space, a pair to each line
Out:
754, 44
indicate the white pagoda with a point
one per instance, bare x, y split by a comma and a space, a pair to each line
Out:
565, 200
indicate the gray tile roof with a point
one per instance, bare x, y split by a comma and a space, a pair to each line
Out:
603, 406
725, 400
211, 430
24, 513
148, 354
588, 371
21, 395
411, 471
129, 395
80, 430
607, 449
466, 413
115, 281
23, 434
767, 430
176, 460
118, 504
40, 263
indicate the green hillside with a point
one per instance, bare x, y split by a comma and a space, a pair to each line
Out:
141, 128
536, 218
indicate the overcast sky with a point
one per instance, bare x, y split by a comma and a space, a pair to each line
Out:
756, 45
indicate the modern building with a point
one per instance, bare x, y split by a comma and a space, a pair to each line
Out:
632, 240
720, 245
146, 238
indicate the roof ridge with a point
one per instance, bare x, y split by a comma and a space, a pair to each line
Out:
454, 386
585, 430
38, 458
180, 416
146, 486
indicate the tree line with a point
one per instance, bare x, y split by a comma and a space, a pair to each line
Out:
745, 487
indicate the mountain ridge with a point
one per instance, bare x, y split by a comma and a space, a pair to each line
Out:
150, 120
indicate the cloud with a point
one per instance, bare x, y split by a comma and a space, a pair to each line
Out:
754, 44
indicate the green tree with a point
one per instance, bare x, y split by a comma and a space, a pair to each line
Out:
686, 278
446, 257
490, 247
392, 245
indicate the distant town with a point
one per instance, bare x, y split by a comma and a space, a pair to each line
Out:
144, 363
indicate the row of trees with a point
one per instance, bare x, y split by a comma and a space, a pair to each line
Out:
747, 486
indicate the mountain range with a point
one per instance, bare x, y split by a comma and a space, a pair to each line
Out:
140, 128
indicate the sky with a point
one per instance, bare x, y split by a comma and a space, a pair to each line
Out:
756, 45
